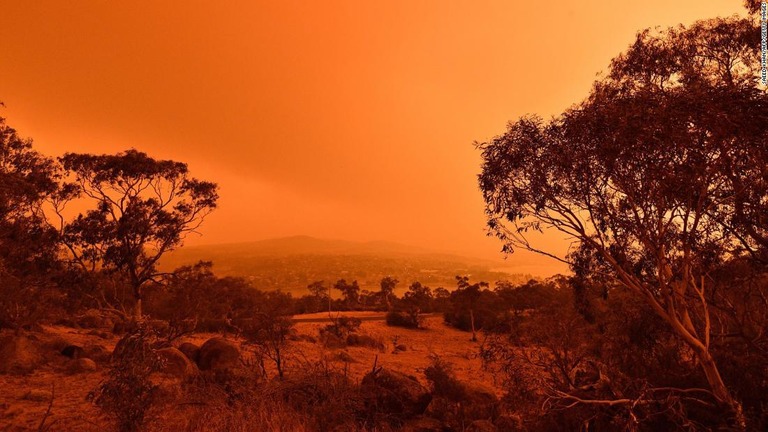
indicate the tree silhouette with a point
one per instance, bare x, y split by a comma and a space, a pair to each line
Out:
419, 296
320, 294
753, 6
270, 327
350, 291
143, 208
388, 284
658, 176
28, 245
318, 289
466, 297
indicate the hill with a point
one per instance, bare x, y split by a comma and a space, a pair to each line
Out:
291, 263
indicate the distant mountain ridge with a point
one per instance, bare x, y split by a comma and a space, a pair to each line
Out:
307, 245
290, 263
303, 244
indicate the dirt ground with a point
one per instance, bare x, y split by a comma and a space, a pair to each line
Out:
25, 399
451, 345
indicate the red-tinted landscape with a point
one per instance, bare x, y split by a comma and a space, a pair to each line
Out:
311, 217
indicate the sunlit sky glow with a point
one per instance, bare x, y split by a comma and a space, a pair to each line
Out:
350, 120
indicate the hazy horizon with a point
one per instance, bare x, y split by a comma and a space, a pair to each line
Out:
290, 215
354, 122
299, 245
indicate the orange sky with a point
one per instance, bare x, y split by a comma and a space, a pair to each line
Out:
337, 119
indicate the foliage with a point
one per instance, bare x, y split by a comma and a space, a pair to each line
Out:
407, 312
624, 370
442, 299
408, 318
659, 175
128, 394
270, 327
342, 326
387, 293
318, 289
195, 293
472, 308
142, 208
443, 381
350, 291
420, 297
28, 245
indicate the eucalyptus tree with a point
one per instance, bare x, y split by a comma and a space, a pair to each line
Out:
466, 297
350, 291
141, 208
658, 177
28, 246
387, 293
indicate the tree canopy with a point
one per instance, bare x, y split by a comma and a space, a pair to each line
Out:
142, 208
658, 177
28, 245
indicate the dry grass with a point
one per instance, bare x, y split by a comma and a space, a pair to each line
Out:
452, 345
23, 403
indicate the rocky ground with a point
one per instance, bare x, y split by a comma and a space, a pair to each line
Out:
43, 389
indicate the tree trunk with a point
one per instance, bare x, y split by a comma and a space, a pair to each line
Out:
279, 363
137, 310
472, 322
735, 419
735, 414
137, 313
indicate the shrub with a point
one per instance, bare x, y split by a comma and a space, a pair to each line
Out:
128, 394
269, 334
341, 327
442, 379
365, 341
457, 403
402, 318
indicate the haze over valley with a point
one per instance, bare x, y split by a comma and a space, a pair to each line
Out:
383, 216
292, 263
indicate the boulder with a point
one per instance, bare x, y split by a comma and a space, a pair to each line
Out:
82, 365
53, 344
218, 354
393, 392
481, 426
37, 395
344, 357
190, 350
480, 403
472, 402
73, 351
175, 363
441, 408
97, 352
510, 423
423, 424
400, 348
168, 390
19, 353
